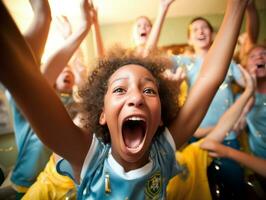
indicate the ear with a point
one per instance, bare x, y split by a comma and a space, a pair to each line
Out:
102, 119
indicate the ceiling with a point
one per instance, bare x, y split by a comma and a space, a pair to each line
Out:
117, 11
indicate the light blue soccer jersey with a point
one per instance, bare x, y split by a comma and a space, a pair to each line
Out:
32, 154
224, 97
102, 177
256, 121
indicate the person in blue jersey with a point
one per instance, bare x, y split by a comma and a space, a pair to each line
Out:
134, 125
255, 118
32, 153
145, 34
200, 36
256, 65
193, 183
50, 184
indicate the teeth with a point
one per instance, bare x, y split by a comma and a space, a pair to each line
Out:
201, 38
135, 119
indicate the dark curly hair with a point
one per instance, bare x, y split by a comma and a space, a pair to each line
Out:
93, 92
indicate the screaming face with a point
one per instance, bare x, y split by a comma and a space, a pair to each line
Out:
200, 35
256, 62
65, 81
132, 112
141, 31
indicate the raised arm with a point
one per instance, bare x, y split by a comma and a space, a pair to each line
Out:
231, 116
216, 149
36, 34
35, 97
212, 74
252, 29
157, 26
96, 33
59, 59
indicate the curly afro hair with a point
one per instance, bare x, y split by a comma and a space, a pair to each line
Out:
93, 92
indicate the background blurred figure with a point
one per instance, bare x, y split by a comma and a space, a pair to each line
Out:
32, 154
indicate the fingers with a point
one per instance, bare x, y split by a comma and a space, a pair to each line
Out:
178, 76
180, 73
207, 144
250, 78
63, 26
210, 146
213, 154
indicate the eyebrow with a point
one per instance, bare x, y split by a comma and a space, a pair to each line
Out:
145, 79
118, 79
150, 80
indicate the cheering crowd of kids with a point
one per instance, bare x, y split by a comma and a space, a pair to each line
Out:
139, 123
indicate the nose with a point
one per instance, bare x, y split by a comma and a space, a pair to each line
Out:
200, 31
135, 99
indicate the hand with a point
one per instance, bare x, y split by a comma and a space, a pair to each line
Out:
216, 149
94, 14
166, 3
86, 7
63, 26
240, 124
250, 79
177, 78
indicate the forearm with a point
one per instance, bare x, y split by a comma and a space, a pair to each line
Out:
37, 33
202, 132
55, 64
98, 43
230, 117
254, 163
156, 31
221, 51
252, 24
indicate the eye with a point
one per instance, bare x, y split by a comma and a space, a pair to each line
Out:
252, 56
119, 90
150, 91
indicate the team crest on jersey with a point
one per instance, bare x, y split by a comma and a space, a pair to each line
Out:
154, 186
184, 172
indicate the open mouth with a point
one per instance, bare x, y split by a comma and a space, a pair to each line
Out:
201, 38
133, 130
67, 80
261, 65
143, 35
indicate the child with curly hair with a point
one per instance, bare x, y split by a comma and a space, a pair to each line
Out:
134, 125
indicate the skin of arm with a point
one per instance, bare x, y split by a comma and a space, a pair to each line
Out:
252, 29
96, 33
219, 150
55, 64
202, 132
16, 63
225, 124
210, 77
157, 26
37, 32
241, 122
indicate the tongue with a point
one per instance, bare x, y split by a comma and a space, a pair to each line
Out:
132, 136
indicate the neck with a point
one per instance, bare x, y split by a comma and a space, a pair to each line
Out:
128, 166
201, 52
261, 85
